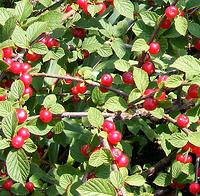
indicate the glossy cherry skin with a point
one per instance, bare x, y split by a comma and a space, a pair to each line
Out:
85, 150
17, 142
68, 8
78, 33
82, 3
33, 57
16, 67
171, 12
150, 104
29, 186
28, 91
122, 161
180, 158
102, 6
3, 97
74, 90
45, 115
52, 42
154, 48
106, 79
7, 184
68, 81
127, 77
86, 54
194, 188
186, 147
24, 133
8, 61
148, 67
7, 52
182, 121
166, 24
162, 79
25, 67
181, 13
21, 115
193, 91
108, 126
81, 87
26, 79
197, 44
114, 137
116, 153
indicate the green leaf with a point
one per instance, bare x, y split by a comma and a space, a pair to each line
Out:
188, 64
49, 101
5, 14
141, 79
134, 94
3, 65
23, 9
4, 143
122, 65
16, 90
162, 180
93, 9
176, 169
18, 166
181, 25
57, 109
135, 180
118, 47
178, 140
158, 113
58, 128
140, 45
188, 169
39, 48
19, 38
105, 51
91, 44
124, 7
97, 187
115, 104
98, 97
193, 138
116, 179
95, 117
9, 124
99, 157
149, 18
194, 29
5, 108
29, 146
46, 3
66, 180
174, 81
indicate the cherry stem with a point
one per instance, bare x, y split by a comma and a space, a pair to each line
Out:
197, 169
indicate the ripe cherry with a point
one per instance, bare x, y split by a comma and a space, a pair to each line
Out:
7, 184
45, 115
114, 137
182, 120
166, 24
102, 6
7, 52
181, 13
68, 81
154, 48
148, 92
162, 96
162, 79
16, 67
25, 67
85, 150
52, 42
68, 8
106, 79
150, 104
180, 158
44, 40
3, 97
8, 61
79, 33
28, 91
108, 126
24, 133
122, 161
17, 141
49, 135
116, 153
197, 44
186, 147
74, 90
127, 77
148, 67
86, 54
33, 57
21, 115
81, 87
171, 12
82, 3
76, 98
188, 159
194, 188
91, 175
29, 186
26, 79
193, 91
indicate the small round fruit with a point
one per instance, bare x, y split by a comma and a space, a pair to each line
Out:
102, 6
68, 81
29, 186
76, 98
86, 54
103, 90
24, 133
82, 3
16, 67
162, 79
193, 91
149, 67
147, 57
188, 159
8, 61
182, 121
7, 52
33, 57
166, 24
21, 115
122, 161
45, 115
186, 147
194, 188
52, 42
68, 8
150, 104
148, 92
3, 97
78, 33
85, 150
180, 158
197, 44
116, 153
49, 135
26, 79
114, 137
154, 48
7, 184
108, 126
171, 12
181, 13
74, 90
81, 88
106, 79
25, 67
162, 96
28, 91
127, 77
17, 141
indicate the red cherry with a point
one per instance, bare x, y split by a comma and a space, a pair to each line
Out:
17, 141
52, 42
74, 90
91, 175
127, 77
182, 120
181, 13
85, 10
76, 98
103, 90
45, 115
7, 184
116, 153
79, 33
44, 40
68, 81
197, 44
28, 91
154, 48
196, 150
85, 150
188, 159
186, 147
148, 91
148, 67
162, 96
24, 133
147, 57
16, 67
102, 6
8, 61
193, 91
82, 3
86, 54
3, 97
26, 79
25, 67
150, 104
106, 79
166, 24
122, 161
96, 149
194, 188
162, 79
108, 126
114, 137
29, 186
49, 135
68, 8
171, 12
7, 52
33, 57
81, 87
21, 115
180, 158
